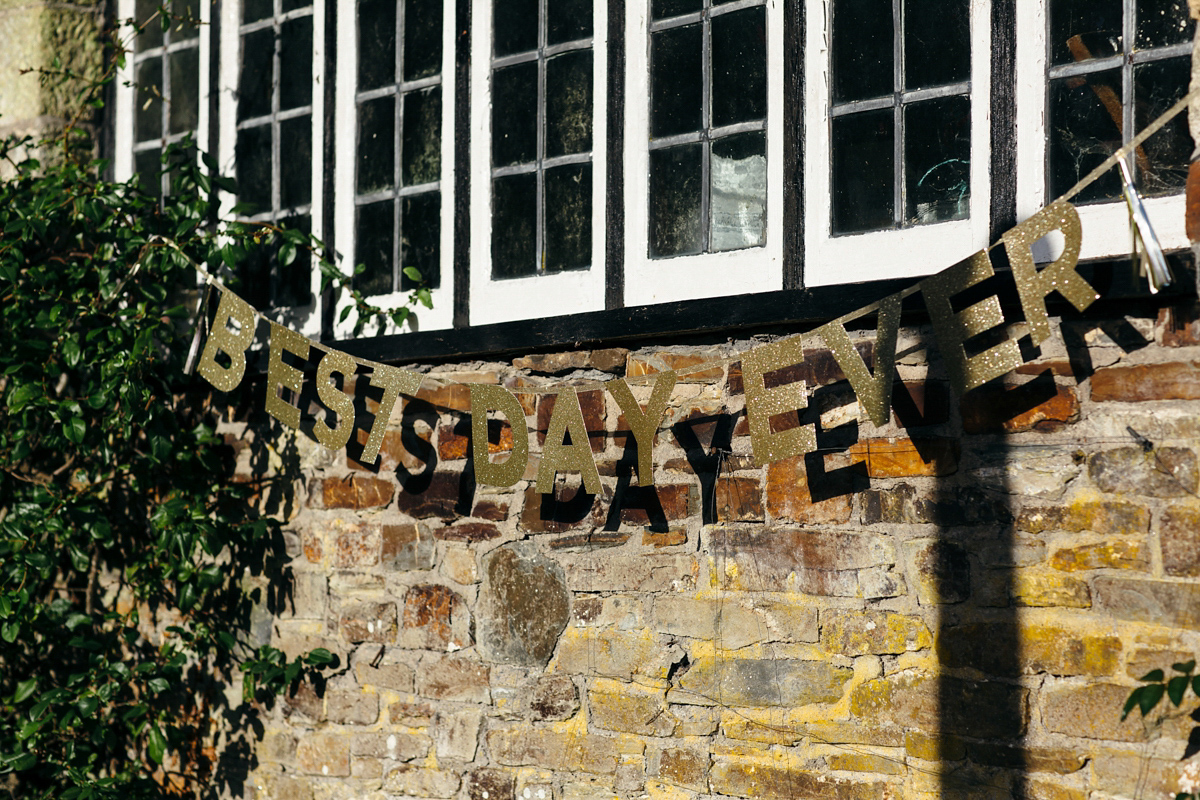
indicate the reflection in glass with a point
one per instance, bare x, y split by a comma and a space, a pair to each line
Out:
422, 38
514, 226
1084, 29
254, 81
253, 156
422, 147
514, 114
569, 103
863, 171
420, 242
663, 9
376, 43
568, 217
862, 49
937, 43
183, 114
254, 10
516, 26
568, 20
373, 247
1161, 23
295, 162
676, 81
152, 32
739, 66
675, 183
376, 129
146, 165
1163, 159
294, 279
148, 119
1085, 125
295, 63
738, 192
937, 159
187, 19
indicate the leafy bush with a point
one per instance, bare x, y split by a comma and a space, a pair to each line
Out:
1157, 686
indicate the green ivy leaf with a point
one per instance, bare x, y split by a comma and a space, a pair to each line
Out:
1151, 694
1175, 689
1131, 703
1185, 667
1152, 675
24, 690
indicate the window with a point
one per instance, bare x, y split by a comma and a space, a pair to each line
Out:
1092, 73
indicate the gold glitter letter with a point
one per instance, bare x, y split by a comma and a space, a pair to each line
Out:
644, 424
954, 329
1057, 276
485, 398
232, 344
874, 391
394, 383
557, 456
281, 374
336, 400
763, 403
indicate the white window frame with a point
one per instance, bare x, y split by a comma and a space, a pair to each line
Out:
568, 292
908, 252
716, 274
441, 316
1106, 230
305, 319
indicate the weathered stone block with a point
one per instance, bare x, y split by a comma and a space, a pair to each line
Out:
866, 762
357, 549
738, 499
934, 747
856, 633
1143, 382
1042, 590
524, 746
456, 734
550, 513
854, 732
452, 396
629, 708
613, 654
392, 746
1091, 712
553, 697
592, 405
939, 570
606, 360
351, 707
1121, 554
646, 505
694, 720
914, 701
1059, 760
453, 440
1153, 602
524, 605
435, 618
651, 572
639, 364
452, 678
684, 766
324, 754
907, 505
408, 448
670, 538
458, 565
396, 676
765, 780
439, 499
907, 458
1087, 513
405, 547
734, 623
790, 498
1016, 409
1162, 472
744, 682
422, 782
491, 784
352, 491
308, 597
369, 622
1179, 536
1033, 649
469, 532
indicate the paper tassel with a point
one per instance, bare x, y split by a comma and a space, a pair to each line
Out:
1146, 249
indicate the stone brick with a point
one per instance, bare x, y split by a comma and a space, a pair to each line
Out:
469, 532
451, 678
857, 633
853, 732
524, 605
1146, 659
453, 441
1016, 409
639, 364
303, 699
569, 752
435, 618
491, 510
458, 565
669, 538
790, 498
919, 403
744, 682
1153, 602
694, 720
1178, 323
1123, 554
553, 697
734, 623
491, 784
408, 546
352, 491
314, 549
914, 701
422, 782
939, 570
907, 505
1163, 472
351, 707
409, 448
906, 458
324, 754
452, 396
1033, 649
1177, 381
1179, 537
1058, 760
613, 653
606, 360
830, 563
369, 622
934, 747
592, 540
1041, 590
629, 708
439, 499
410, 713
738, 500
456, 734
282, 787
1048, 790
547, 513
357, 549
1087, 513
608, 572
592, 405
1091, 712
640, 505
684, 766
309, 593
866, 762
276, 746
1133, 773
765, 781
395, 676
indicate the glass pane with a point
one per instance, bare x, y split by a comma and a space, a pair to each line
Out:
662, 9
152, 34
1162, 22
422, 137
568, 237
422, 38
373, 240
254, 10
294, 5
295, 162
568, 20
514, 114
862, 60
296, 62
147, 167
376, 144
937, 159
183, 114
516, 26
676, 81
739, 66
148, 122
1163, 159
420, 238
937, 42
738, 192
569, 103
863, 171
187, 19
1085, 123
254, 166
294, 283
514, 226
1083, 29
254, 83
376, 43
254, 275
675, 180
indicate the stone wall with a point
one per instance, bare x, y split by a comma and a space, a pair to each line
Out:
955, 605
